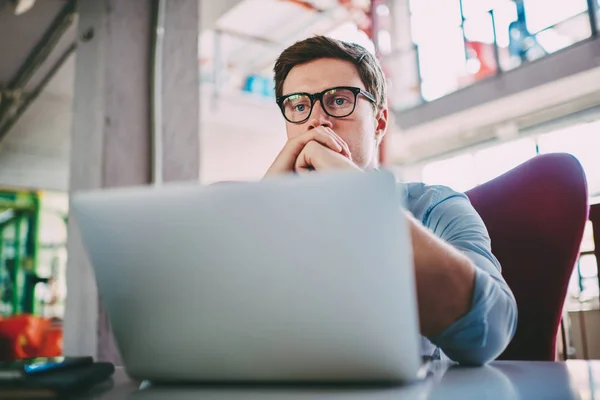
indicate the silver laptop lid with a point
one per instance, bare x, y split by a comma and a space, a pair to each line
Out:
288, 279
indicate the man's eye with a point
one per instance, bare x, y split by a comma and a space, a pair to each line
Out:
338, 102
300, 107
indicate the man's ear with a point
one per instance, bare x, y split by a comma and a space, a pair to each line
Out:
381, 120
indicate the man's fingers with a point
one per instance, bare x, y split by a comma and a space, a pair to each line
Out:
328, 140
286, 159
322, 135
345, 149
323, 132
319, 135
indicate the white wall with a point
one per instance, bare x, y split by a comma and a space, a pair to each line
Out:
35, 152
241, 135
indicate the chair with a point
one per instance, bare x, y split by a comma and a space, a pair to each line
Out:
535, 215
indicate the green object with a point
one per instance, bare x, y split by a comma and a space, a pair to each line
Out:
19, 255
35, 234
31, 254
3, 273
17, 283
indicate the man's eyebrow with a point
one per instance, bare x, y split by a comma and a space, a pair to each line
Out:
322, 90
296, 92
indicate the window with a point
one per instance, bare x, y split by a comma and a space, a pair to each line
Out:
441, 51
543, 14
465, 171
459, 42
586, 277
504, 11
456, 172
598, 14
441, 63
499, 159
583, 285
583, 141
587, 243
443, 12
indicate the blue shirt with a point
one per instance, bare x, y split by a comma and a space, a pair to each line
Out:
484, 332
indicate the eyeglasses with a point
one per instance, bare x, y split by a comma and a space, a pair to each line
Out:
337, 102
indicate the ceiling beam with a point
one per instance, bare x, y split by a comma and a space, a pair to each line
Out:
26, 98
10, 101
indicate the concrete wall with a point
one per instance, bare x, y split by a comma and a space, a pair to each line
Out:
241, 135
35, 152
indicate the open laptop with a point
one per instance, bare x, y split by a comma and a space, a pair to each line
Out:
291, 279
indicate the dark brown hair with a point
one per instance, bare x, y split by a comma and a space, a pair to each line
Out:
317, 47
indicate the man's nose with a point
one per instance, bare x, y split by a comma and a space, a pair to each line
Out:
319, 117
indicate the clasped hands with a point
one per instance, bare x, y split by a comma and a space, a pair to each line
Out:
318, 149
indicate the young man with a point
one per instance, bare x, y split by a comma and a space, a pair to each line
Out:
332, 95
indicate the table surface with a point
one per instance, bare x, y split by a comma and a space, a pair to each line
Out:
574, 379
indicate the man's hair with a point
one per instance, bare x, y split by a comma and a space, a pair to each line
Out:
317, 47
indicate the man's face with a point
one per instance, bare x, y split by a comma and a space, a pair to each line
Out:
362, 130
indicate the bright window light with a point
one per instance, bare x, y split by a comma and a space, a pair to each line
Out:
542, 14
349, 32
552, 41
496, 160
583, 141
436, 12
479, 29
457, 173
504, 14
442, 63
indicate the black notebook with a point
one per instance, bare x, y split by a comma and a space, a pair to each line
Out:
57, 384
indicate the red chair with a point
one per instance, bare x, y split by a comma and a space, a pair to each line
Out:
535, 215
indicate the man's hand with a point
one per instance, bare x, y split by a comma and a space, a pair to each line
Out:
286, 159
316, 157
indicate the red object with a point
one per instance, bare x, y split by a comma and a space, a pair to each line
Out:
535, 215
28, 336
484, 53
304, 4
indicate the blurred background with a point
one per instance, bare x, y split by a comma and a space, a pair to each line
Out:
477, 87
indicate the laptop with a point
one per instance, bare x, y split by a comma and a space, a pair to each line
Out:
290, 279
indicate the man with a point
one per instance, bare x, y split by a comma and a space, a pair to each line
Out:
333, 97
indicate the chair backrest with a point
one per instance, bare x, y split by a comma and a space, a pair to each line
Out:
535, 215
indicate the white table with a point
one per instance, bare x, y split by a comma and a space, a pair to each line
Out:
500, 380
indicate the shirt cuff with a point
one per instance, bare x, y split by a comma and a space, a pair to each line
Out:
468, 339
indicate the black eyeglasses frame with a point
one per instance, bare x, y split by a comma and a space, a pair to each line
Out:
319, 96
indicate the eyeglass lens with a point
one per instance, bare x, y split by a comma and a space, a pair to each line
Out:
336, 102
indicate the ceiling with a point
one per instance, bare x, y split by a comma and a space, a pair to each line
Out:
19, 34
247, 39
35, 150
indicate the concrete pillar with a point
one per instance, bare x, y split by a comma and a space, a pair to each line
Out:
402, 63
111, 136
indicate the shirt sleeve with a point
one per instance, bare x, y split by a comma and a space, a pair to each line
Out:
486, 330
